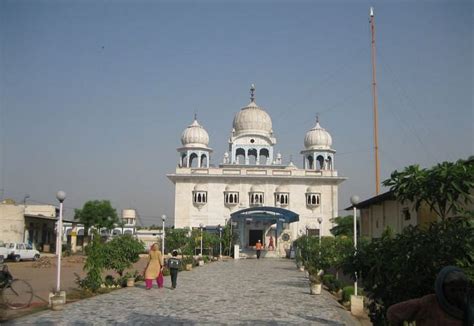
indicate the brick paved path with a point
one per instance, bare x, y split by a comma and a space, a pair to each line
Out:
248, 292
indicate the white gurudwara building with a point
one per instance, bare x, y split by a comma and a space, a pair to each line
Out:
251, 188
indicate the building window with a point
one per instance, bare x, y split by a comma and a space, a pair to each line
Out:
406, 214
282, 198
231, 198
256, 198
200, 197
313, 199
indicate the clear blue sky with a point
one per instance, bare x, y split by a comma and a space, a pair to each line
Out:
95, 94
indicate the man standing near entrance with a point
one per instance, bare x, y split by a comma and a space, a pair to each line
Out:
258, 247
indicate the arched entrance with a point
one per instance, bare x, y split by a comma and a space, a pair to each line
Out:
268, 224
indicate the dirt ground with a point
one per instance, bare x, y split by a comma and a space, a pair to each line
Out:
43, 279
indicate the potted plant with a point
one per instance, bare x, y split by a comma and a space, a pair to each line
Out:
315, 280
130, 280
188, 263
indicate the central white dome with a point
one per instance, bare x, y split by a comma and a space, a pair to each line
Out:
252, 118
195, 136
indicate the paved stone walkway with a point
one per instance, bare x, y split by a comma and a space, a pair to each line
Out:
242, 292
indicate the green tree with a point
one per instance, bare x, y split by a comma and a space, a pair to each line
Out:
122, 252
445, 188
344, 226
96, 213
176, 239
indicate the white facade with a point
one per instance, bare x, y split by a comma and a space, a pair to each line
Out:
252, 176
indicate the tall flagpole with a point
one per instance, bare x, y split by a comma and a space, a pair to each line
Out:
374, 93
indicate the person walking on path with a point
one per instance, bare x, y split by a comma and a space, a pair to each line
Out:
258, 247
450, 304
270, 244
173, 265
154, 267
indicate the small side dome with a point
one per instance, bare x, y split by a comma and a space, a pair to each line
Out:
282, 188
195, 136
312, 189
317, 138
200, 187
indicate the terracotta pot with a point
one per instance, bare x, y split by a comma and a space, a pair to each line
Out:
130, 282
189, 267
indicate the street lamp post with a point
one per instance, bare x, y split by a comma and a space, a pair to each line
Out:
354, 201
220, 241
163, 218
201, 226
320, 220
61, 196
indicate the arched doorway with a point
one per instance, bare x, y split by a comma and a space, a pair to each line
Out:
268, 224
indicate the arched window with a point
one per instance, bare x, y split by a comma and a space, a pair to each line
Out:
252, 154
256, 198
231, 198
329, 163
240, 156
320, 162
200, 197
204, 160
281, 198
193, 160
184, 164
310, 162
264, 155
313, 199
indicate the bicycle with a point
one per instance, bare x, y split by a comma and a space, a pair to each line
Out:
16, 293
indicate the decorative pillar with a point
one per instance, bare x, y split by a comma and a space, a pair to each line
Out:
74, 239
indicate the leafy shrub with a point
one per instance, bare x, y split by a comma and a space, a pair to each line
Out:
336, 285
347, 291
395, 269
67, 250
109, 280
122, 252
328, 279
187, 260
94, 265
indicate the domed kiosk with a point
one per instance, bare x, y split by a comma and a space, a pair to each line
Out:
195, 151
318, 154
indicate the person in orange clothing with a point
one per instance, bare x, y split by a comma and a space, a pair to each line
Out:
450, 305
258, 247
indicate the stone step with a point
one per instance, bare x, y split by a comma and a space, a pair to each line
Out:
251, 254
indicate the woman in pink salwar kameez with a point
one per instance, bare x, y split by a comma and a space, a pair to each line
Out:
154, 267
